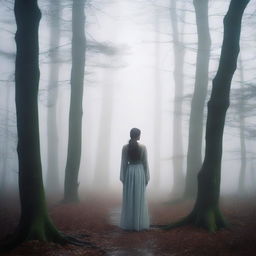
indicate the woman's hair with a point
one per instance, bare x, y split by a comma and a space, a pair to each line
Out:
133, 147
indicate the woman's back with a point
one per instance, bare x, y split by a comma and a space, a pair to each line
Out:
135, 175
128, 159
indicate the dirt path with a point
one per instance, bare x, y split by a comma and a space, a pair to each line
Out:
145, 247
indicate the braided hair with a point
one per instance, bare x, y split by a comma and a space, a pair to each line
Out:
133, 147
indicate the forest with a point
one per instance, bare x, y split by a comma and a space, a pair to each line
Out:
77, 76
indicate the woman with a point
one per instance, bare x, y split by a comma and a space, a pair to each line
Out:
134, 176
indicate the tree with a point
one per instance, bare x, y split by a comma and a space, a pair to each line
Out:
101, 174
76, 100
206, 212
194, 156
179, 53
52, 178
241, 115
158, 100
109, 54
35, 222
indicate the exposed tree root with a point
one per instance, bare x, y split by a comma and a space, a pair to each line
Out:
12, 241
76, 241
182, 222
211, 220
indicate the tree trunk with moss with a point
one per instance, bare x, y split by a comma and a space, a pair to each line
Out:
76, 102
206, 212
35, 223
194, 156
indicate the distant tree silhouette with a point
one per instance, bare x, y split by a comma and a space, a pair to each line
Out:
241, 114
102, 172
194, 156
76, 100
52, 175
157, 120
178, 75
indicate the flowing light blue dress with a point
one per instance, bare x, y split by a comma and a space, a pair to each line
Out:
135, 177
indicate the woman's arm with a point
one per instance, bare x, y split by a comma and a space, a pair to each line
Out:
145, 164
123, 164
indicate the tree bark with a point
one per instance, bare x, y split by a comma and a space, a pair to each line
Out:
158, 113
35, 223
179, 53
206, 212
52, 177
194, 156
102, 175
76, 100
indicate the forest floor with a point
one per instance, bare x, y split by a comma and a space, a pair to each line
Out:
95, 219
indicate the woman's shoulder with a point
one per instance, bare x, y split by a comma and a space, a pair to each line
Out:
125, 146
142, 146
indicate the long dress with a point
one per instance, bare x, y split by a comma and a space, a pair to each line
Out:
135, 177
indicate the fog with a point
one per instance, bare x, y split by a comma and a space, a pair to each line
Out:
128, 82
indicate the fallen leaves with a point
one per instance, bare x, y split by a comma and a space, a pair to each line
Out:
91, 221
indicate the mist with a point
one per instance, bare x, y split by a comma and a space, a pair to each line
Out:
128, 77
140, 71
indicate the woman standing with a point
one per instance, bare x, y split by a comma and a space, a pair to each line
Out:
134, 176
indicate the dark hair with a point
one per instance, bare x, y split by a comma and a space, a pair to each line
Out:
133, 148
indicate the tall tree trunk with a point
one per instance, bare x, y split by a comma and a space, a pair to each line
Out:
102, 176
76, 100
158, 100
241, 185
52, 178
34, 221
194, 156
179, 53
206, 212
